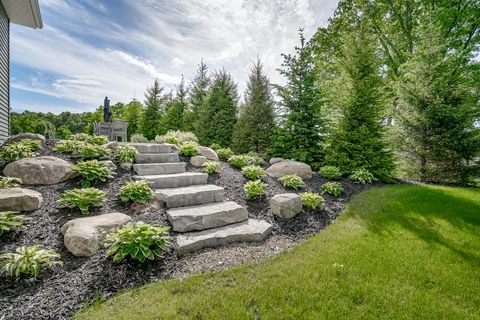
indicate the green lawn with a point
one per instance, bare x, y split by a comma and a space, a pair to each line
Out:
399, 252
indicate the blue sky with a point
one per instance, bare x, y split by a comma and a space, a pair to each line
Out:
89, 49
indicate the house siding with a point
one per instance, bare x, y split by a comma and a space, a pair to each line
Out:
4, 76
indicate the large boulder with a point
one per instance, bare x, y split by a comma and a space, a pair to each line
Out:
111, 145
84, 236
23, 136
19, 199
40, 170
275, 160
285, 168
198, 161
286, 205
208, 153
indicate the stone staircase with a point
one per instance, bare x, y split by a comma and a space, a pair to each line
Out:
195, 209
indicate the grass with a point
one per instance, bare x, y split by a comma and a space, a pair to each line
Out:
399, 252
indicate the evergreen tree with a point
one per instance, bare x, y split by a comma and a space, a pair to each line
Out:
197, 95
255, 124
217, 120
133, 116
152, 115
174, 117
357, 139
302, 134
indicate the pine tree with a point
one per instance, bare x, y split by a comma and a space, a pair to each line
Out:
197, 97
174, 117
302, 134
255, 124
357, 139
217, 120
152, 115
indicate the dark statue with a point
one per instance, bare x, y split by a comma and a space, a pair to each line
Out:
107, 113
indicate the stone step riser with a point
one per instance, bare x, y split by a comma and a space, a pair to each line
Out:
175, 180
248, 231
159, 168
192, 198
157, 158
206, 216
152, 148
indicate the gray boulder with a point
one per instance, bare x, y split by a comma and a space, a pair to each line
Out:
110, 164
84, 236
275, 160
112, 145
208, 153
126, 166
31, 136
40, 170
286, 205
285, 168
198, 161
19, 199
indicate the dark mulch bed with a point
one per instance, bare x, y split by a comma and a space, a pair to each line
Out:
60, 293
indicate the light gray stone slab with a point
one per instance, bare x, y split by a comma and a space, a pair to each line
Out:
156, 158
175, 180
190, 196
145, 169
151, 147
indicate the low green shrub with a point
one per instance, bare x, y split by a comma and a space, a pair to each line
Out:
312, 200
68, 146
93, 171
362, 176
215, 146
126, 153
254, 189
239, 161
82, 199
79, 137
29, 261
333, 188
91, 151
292, 181
16, 151
34, 145
189, 149
253, 172
10, 182
138, 241
138, 138
97, 140
177, 137
10, 220
210, 167
330, 172
137, 191
224, 153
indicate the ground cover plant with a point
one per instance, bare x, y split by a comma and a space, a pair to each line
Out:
239, 161
68, 146
137, 191
189, 149
97, 140
254, 189
253, 172
176, 137
292, 181
138, 138
359, 267
93, 171
211, 167
224, 153
312, 200
333, 188
90, 151
330, 172
126, 153
82, 199
362, 176
10, 182
11, 220
16, 151
79, 137
28, 261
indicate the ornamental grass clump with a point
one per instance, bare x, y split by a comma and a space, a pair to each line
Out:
224, 153
292, 181
211, 167
138, 241
82, 199
10, 182
93, 171
254, 189
362, 176
68, 146
330, 172
137, 191
253, 172
16, 151
239, 161
29, 261
312, 200
189, 149
90, 151
126, 153
10, 220
333, 188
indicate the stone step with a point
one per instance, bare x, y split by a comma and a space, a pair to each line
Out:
206, 216
145, 169
157, 158
175, 180
190, 196
246, 231
152, 147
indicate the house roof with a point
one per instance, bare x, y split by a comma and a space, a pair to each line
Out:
24, 12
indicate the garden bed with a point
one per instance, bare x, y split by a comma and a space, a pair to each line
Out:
58, 294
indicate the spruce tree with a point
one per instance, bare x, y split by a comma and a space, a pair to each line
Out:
255, 124
152, 115
197, 97
357, 138
133, 116
217, 120
174, 117
301, 136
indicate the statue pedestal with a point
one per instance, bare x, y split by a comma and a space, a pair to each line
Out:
115, 131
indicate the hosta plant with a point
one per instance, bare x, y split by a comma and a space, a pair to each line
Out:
34, 145
256, 157
333, 188
90, 151
137, 191
68, 146
97, 140
29, 261
312, 200
224, 153
82, 199
215, 146
189, 149
239, 161
253, 172
138, 138
10, 220
330, 172
93, 171
254, 189
292, 181
79, 137
16, 151
210, 167
10, 182
126, 153
138, 241
362, 176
